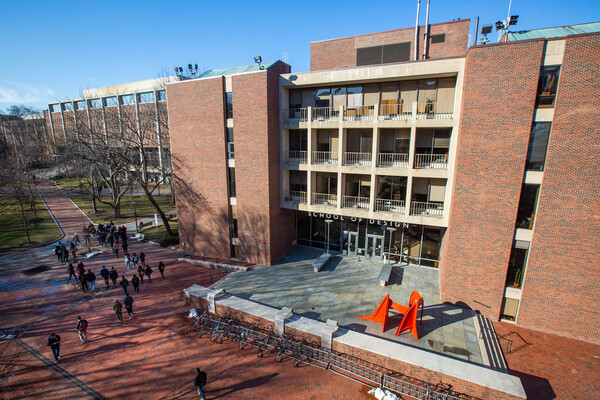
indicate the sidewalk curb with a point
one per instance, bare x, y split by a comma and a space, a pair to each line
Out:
214, 265
75, 204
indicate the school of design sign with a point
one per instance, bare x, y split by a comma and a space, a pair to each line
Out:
357, 219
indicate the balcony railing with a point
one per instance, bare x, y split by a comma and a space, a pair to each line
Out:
392, 160
394, 111
359, 113
434, 110
324, 199
295, 196
324, 157
324, 114
391, 206
355, 202
427, 209
438, 161
295, 157
300, 114
359, 159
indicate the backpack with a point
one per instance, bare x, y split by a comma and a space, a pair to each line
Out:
83, 325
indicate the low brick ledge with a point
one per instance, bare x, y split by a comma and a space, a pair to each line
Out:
465, 371
214, 265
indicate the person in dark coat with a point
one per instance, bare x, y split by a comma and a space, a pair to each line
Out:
135, 281
199, 382
124, 283
104, 274
141, 272
128, 302
58, 253
80, 268
54, 343
161, 269
91, 278
113, 275
71, 272
83, 282
65, 254
143, 259
125, 245
148, 271
118, 309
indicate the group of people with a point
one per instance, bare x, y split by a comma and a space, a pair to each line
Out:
108, 235
61, 251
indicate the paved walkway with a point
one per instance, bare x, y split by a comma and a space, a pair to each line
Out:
347, 287
152, 356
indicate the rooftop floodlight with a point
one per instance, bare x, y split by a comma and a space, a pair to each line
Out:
258, 60
499, 25
196, 67
513, 20
486, 29
176, 69
190, 67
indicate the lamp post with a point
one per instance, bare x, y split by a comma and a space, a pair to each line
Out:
135, 216
392, 230
328, 222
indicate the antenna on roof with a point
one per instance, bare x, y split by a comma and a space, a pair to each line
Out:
285, 57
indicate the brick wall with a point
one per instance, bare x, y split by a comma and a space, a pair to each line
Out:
497, 112
341, 53
265, 230
197, 128
562, 279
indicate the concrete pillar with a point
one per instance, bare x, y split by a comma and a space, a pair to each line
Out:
88, 103
280, 318
74, 104
211, 296
327, 334
62, 117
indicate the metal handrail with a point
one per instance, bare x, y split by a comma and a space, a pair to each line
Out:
434, 110
324, 114
355, 202
295, 196
295, 156
324, 157
391, 206
394, 111
298, 113
427, 208
393, 160
325, 199
356, 158
359, 113
437, 161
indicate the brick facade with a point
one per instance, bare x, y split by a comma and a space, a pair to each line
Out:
341, 53
562, 279
499, 98
199, 165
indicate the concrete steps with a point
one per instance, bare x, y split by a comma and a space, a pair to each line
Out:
490, 347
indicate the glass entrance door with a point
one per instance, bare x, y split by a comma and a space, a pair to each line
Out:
352, 243
374, 247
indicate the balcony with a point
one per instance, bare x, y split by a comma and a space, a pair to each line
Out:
436, 161
434, 110
424, 209
357, 159
359, 113
324, 157
298, 114
355, 202
323, 199
392, 160
391, 206
294, 196
396, 111
325, 114
295, 157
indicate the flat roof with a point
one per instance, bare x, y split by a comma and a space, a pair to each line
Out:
236, 70
559, 31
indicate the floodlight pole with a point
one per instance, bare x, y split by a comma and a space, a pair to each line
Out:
328, 222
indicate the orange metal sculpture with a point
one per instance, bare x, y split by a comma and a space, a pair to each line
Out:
409, 319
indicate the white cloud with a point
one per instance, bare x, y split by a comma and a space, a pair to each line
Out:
14, 92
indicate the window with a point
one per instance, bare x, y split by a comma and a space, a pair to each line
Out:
439, 38
67, 106
110, 101
517, 263
95, 103
538, 146
229, 110
231, 178
296, 98
230, 152
162, 95
127, 99
80, 105
147, 97
54, 107
547, 86
385, 54
322, 97
527, 206
298, 181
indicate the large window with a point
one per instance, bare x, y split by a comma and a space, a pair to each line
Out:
231, 178
230, 149
81, 105
389, 53
162, 95
547, 86
297, 181
326, 183
127, 99
147, 97
110, 101
517, 263
391, 187
229, 107
67, 106
527, 206
95, 103
538, 146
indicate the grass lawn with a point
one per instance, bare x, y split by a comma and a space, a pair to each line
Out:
70, 183
105, 212
159, 234
12, 232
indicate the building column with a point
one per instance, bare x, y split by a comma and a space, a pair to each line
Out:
159, 139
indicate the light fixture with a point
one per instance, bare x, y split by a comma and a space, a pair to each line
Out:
486, 29
513, 20
258, 60
499, 25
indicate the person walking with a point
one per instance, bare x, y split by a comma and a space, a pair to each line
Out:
58, 253
80, 268
65, 255
82, 326
128, 302
74, 251
148, 272
125, 245
161, 269
54, 343
124, 283
113, 275
71, 272
91, 278
135, 281
104, 274
127, 261
116, 248
83, 282
143, 259
199, 382
118, 308
135, 260
140, 271
76, 239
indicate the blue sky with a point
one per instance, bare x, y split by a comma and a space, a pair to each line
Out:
53, 50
